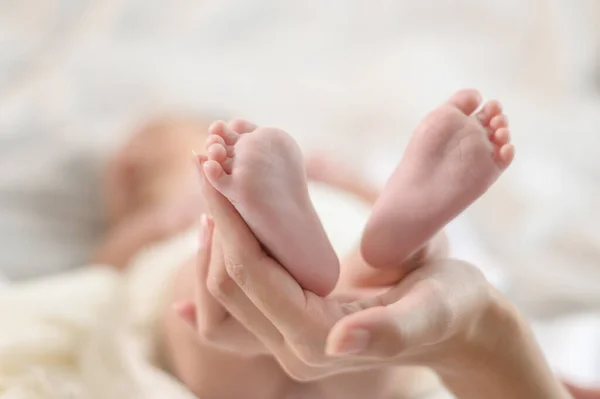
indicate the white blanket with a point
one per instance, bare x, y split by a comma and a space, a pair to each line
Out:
92, 333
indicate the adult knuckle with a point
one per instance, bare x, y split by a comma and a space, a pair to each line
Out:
235, 269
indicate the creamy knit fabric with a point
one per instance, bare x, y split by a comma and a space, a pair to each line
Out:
92, 333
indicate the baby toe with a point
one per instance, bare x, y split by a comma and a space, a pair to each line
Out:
215, 139
219, 128
227, 165
467, 100
241, 126
501, 136
214, 172
216, 152
489, 111
505, 155
499, 121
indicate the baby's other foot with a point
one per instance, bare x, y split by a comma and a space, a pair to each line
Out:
453, 157
262, 174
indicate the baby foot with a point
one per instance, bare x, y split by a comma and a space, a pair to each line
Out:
262, 174
451, 160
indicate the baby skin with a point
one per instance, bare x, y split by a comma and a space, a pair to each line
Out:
452, 159
262, 174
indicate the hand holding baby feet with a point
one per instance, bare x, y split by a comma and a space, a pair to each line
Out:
261, 172
454, 156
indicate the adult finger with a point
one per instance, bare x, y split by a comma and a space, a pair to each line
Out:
202, 310
240, 242
386, 331
265, 282
230, 295
241, 308
427, 307
209, 312
234, 244
205, 314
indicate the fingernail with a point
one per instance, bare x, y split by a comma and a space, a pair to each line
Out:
353, 343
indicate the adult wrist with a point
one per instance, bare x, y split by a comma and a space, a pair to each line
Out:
498, 357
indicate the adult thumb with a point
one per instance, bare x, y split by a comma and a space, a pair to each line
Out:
384, 332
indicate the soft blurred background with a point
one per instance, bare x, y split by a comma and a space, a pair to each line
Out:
348, 77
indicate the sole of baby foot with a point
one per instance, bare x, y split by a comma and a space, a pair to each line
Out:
262, 173
453, 157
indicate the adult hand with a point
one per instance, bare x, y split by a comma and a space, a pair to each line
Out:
211, 321
443, 315
427, 318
